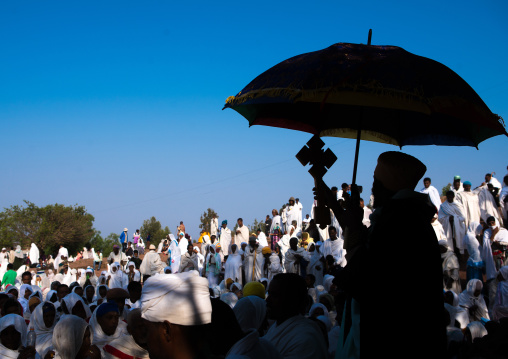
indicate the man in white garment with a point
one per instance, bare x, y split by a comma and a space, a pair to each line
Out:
366, 213
294, 256
453, 219
225, 240
242, 232
276, 220
291, 212
489, 179
503, 199
182, 243
117, 256
177, 333
306, 221
334, 246
457, 185
62, 255
151, 264
470, 202
299, 207
253, 261
487, 203
214, 225
432, 192
438, 229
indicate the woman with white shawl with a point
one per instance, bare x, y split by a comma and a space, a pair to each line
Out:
213, 267
101, 333
43, 321
62, 252
315, 266
471, 299
275, 267
117, 278
75, 305
72, 339
451, 278
500, 308
34, 254
10, 341
233, 267
189, 260
201, 260
18, 258
475, 263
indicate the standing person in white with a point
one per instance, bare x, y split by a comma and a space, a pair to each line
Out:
432, 192
299, 207
291, 212
452, 218
214, 225
224, 240
242, 232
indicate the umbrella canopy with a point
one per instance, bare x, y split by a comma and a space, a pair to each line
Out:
389, 94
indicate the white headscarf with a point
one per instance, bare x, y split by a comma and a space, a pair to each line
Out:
186, 291
34, 254
68, 336
99, 337
72, 299
467, 298
19, 324
229, 298
472, 243
318, 305
250, 312
477, 330
44, 334
18, 253
502, 288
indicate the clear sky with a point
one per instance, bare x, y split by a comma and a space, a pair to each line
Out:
117, 105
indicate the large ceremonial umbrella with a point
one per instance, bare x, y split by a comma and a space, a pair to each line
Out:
376, 93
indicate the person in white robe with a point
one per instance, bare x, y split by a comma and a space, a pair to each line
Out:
253, 261
132, 273
503, 199
453, 219
200, 260
316, 265
127, 346
242, 233
70, 301
214, 225
284, 246
151, 263
276, 221
457, 313
470, 203
69, 338
189, 260
34, 254
100, 337
488, 206
475, 264
233, 267
451, 278
15, 350
175, 254
366, 214
299, 208
472, 300
263, 242
182, 243
4, 261
212, 267
85, 253
225, 239
291, 212
438, 228
500, 308
117, 278
334, 246
294, 256
60, 257
43, 328
292, 334
435, 198
275, 266
489, 179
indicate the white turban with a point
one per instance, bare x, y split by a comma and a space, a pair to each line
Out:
250, 312
186, 291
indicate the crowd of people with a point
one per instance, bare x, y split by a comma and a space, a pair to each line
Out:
293, 290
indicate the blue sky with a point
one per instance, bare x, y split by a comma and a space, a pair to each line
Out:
117, 105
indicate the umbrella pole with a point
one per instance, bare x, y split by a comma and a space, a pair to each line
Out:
358, 135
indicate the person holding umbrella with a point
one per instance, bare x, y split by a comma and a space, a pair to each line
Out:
401, 234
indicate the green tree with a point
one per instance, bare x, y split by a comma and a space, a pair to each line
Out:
256, 225
445, 189
153, 228
105, 245
48, 227
206, 218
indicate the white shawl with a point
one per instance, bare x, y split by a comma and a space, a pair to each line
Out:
456, 210
99, 337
